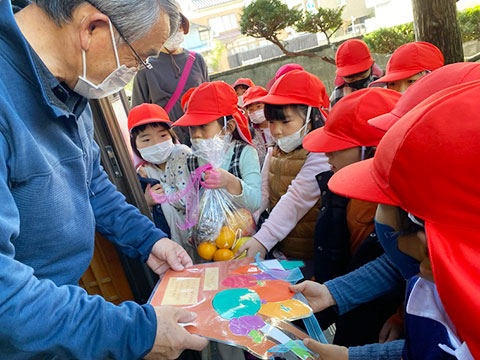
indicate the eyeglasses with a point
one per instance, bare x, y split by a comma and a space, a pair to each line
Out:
142, 64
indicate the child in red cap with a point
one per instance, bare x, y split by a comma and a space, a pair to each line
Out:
355, 68
164, 160
289, 188
345, 237
408, 64
212, 116
262, 136
438, 227
240, 86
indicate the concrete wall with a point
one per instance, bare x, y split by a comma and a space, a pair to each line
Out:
263, 71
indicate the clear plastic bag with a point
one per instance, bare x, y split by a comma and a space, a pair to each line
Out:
222, 221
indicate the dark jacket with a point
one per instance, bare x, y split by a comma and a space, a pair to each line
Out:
332, 245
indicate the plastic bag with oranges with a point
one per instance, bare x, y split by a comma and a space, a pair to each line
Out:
222, 225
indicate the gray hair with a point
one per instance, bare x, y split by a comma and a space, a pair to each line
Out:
133, 19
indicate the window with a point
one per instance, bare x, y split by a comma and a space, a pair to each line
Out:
204, 35
224, 23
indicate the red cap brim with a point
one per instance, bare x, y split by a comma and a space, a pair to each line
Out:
190, 119
454, 253
384, 122
357, 181
355, 68
152, 120
278, 100
397, 75
319, 141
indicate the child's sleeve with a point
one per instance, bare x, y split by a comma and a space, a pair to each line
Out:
265, 191
179, 170
251, 180
301, 196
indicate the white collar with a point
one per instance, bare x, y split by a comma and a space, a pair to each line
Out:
425, 302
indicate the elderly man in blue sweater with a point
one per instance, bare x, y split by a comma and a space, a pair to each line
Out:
54, 55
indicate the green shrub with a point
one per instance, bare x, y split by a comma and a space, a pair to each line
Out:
469, 21
387, 40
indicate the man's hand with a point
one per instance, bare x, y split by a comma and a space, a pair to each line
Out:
167, 254
171, 338
327, 351
318, 296
253, 247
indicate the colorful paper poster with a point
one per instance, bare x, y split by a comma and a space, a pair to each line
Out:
239, 304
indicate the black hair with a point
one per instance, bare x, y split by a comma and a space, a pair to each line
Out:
138, 129
235, 133
407, 226
277, 113
242, 86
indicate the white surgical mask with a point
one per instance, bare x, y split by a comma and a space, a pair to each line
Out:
175, 41
158, 153
257, 117
113, 83
268, 136
291, 142
240, 101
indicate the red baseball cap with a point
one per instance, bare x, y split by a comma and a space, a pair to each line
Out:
252, 94
243, 81
411, 59
146, 114
186, 97
211, 101
428, 85
428, 165
353, 57
347, 124
297, 87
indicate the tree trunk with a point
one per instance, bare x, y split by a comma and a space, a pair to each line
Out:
436, 22
290, 53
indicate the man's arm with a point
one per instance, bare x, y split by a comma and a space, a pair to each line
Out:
39, 317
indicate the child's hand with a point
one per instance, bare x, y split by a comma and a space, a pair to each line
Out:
318, 296
220, 178
253, 247
392, 329
213, 179
156, 189
327, 351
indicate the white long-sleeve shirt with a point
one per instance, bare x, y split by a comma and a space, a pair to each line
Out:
302, 194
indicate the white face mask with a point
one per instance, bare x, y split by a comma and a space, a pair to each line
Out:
240, 101
257, 117
291, 142
268, 136
113, 83
215, 149
158, 153
175, 41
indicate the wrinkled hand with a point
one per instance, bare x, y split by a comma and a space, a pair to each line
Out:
392, 329
253, 247
156, 189
171, 338
318, 296
167, 254
326, 351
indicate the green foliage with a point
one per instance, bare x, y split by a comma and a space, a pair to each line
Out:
214, 56
327, 21
387, 40
267, 18
469, 21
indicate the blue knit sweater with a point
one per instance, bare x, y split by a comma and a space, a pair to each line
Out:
54, 194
